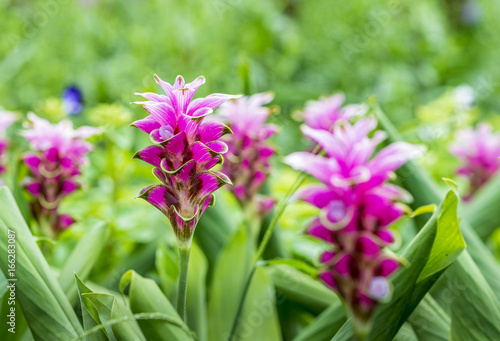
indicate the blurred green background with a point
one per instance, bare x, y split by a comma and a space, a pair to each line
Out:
405, 52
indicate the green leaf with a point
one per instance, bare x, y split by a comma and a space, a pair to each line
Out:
325, 325
300, 287
99, 307
116, 318
295, 263
88, 321
429, 321
82, 259
146, 297
259, 318
406, 333
482, 211
196, 305
167, 265
448, 243
47, 310
475, 315
229, 278
412, 283
424, 209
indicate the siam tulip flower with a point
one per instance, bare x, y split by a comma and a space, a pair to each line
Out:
6, 120
59, 153
248, 158
357, 207
72, 100
323, 114
185, 150
479, 152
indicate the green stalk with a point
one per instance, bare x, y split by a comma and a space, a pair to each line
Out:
184, 253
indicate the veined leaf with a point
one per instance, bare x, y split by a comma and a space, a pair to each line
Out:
82, 259
429, 321
475, 315
47, 310
300, 287
88, 319
146, 297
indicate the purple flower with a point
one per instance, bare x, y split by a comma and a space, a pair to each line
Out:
60, 151
323, 114
72, 100
248, 158
6, 120
479, 152
185, 149
357, 207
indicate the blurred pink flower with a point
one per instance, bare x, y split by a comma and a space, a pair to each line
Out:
6, 120
357, 207
248, 158
479, 153
59, 153
185, 149
323, 113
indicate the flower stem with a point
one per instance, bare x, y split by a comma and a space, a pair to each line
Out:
184, 253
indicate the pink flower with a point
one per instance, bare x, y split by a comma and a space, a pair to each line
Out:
248, 158
479, 152
185, 149
60, 151
357, 207
323, 114
6, 120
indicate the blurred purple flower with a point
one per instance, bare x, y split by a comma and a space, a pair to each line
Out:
479, 152
248, 158
185, 149
60, 151
6, 120
357, 207
72, 100
323, 113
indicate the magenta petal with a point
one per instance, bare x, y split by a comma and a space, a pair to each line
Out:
388, 266
69, 187
147, 125
152, 155
160, 197
151, 96
343, 265
34, 188
327, 256
328, 278
32, 161
211, 101
65, 221
202, 112
52, 154
385, 236
367, 246
218, 147
318, 196
317, 230
211, 131
320, 167
161, 112
206, 183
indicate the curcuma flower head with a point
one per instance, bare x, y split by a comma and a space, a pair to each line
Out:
479, 152
6, 120
323, 113
248, 158
357, 207
185, 149
59, 152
